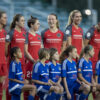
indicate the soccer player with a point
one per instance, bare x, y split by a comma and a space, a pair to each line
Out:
16, 82
85, 72
32, 46
69, 75
92, 37
74, 32
40, 77
55, 71
3, 63
53, 37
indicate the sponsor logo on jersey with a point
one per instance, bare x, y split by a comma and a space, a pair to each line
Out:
58, 35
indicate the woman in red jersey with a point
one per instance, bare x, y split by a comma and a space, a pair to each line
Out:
53, 37
73, 31
3, 64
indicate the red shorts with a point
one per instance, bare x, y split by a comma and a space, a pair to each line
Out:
3, 69
29, 69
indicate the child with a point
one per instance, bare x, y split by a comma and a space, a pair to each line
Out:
40, 76
85, 72
69, 75
16, 82
55, 70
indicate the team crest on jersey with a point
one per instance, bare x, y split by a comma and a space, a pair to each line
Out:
58, 35
23, 34
80, 31
38, 38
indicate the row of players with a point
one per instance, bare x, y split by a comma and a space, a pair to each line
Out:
30, 42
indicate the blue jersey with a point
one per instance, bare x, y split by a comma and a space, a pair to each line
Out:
86, 69
40, 72
15, 72
54, 71
69, 71
97, 70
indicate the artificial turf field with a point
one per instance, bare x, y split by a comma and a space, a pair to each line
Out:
4, 97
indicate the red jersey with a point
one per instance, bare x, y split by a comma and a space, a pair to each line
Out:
76, 35
53, 40
17, 40
2, 46
94, 37
34, 44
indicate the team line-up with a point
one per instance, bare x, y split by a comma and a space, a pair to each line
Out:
54, 66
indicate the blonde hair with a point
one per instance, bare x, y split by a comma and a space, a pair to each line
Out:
71, 16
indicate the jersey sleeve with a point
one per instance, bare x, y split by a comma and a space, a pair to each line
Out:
68, 30
89, 33
36, 72
9, 36
26, 38
80, 65
12, 71
97, 72
63, 69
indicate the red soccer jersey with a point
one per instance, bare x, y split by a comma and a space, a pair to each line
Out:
2, 46
17, 40
94, 36
34, 44
76, 35
53, 40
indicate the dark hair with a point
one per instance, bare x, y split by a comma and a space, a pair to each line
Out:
99, 55
43, 53
12, 51
66, 52
52, 52
15, 19
87, 49
32, 20
1, 13
57, 24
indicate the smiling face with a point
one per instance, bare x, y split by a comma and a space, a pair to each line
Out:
56, 56
77, 18
52, 21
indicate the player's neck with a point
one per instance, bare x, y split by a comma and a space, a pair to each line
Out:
86, 57
76, 25
18, 29
32, 32
70, 59
1, 27
54, 62
53, 29
17, 60
43, 61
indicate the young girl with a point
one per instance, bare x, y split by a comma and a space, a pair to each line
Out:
74, 32
3, 63
85, 72
16, 82
53, 37
40, 77
69, 75
97, 78
55, 70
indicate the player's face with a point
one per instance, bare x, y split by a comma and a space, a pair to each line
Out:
91, 52
47, 56
21, 22
36, 25
19, 54
3, 19
52, 21
77, 18
56, 56
74, 53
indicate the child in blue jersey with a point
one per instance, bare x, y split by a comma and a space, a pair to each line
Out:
55, 71
40, 76
97, 78
69, 74
16, 82
85, 72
